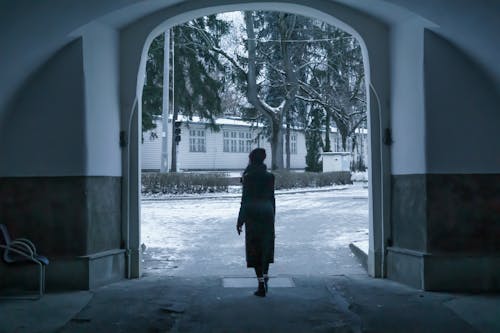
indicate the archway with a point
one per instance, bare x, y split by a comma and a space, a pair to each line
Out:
373, 38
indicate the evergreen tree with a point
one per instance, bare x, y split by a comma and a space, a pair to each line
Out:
199, 75
196, 80
313, 141
152, 95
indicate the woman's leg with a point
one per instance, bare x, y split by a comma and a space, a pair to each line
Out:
258, 271
261, 291
265, 275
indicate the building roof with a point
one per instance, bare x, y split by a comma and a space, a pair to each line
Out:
236, 121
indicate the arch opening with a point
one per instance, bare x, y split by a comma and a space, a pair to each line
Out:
378, 172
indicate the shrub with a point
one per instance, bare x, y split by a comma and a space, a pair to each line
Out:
178, 183
287, 179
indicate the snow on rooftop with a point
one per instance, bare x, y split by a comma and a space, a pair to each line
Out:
235, 121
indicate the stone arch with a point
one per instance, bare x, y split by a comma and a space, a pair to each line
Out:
373, 37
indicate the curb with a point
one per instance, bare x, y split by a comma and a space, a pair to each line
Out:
360, 255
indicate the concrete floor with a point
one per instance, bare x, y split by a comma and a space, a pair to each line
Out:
322, 294
339, 303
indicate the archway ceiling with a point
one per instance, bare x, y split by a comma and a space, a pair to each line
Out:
471, 26
43, 27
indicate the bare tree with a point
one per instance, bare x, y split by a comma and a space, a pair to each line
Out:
336, 84
254, 70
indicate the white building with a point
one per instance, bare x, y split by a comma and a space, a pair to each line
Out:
200, 148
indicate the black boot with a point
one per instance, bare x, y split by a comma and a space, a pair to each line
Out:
261, 291
266, 280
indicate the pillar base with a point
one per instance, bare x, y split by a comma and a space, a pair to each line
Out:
86, 272
444, 272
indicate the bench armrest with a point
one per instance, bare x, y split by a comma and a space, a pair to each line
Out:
20, 249
27, 241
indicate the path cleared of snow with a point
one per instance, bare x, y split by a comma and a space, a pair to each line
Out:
198, 237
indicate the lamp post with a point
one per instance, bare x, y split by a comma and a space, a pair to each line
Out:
165, 103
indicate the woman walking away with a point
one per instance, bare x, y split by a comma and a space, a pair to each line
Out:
257, 213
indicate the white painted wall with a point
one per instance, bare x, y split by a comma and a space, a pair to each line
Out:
336, 161
407, 99
214, 157
102, 116
151, 150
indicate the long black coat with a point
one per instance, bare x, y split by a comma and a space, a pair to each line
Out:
257, 212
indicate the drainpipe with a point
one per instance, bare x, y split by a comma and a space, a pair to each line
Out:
127, 226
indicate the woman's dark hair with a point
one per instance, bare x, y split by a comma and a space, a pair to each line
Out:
257, 156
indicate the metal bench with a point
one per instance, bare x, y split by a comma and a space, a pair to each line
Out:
22, 250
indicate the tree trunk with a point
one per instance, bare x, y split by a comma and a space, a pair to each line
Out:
286, 30
344, 142
253, 98
277, 146
344, 134
287, 140
327, 146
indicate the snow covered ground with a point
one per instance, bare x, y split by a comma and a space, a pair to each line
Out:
196, 235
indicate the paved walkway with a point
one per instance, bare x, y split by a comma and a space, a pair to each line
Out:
353, 303
198, 237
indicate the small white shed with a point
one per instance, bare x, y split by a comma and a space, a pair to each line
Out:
336, 161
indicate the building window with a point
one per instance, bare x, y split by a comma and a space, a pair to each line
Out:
233, 146
237, 142
197, 141
248, 142
293, 143
226, 141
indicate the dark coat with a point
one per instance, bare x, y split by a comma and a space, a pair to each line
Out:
257, 214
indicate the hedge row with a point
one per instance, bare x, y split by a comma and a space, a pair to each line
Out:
179, 183
287, 180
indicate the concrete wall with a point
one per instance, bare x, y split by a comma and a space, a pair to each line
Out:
71, 220
462, 112
43, 133
60, 162
445, 220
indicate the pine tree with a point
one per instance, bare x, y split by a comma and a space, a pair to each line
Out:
313, 142
152, 95
198, 79
199, 75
